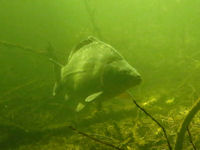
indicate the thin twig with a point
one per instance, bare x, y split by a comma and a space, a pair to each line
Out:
183, 127
190, 138
94, 139
27, 49
92, 18
164, 131
16, 89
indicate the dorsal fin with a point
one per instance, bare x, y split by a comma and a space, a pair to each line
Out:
87, 41
81, 44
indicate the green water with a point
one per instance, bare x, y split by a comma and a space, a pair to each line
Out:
159, 38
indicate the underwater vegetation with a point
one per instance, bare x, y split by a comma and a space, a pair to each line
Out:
73, 91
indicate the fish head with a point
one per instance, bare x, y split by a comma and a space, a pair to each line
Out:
121, 74
130, 74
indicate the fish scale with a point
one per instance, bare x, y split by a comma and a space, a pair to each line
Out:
95, 71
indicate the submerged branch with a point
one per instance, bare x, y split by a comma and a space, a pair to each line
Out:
164, 131
27, 49
94, 139
49, 54
190, 138
16, 89
185, 124
92, 18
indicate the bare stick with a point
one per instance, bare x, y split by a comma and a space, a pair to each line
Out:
190, 138
15, 89
164, 131
95, 139
27, 49
91, 15
185, 124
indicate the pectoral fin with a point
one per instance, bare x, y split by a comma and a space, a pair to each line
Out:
55, 88
79, 107
93, 96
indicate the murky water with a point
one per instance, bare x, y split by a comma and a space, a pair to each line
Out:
160, 39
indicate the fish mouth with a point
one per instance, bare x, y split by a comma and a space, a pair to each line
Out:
136, 80
139, 79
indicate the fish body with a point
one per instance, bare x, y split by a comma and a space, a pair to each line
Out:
95, 70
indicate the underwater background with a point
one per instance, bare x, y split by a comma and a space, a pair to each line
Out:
161, 39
